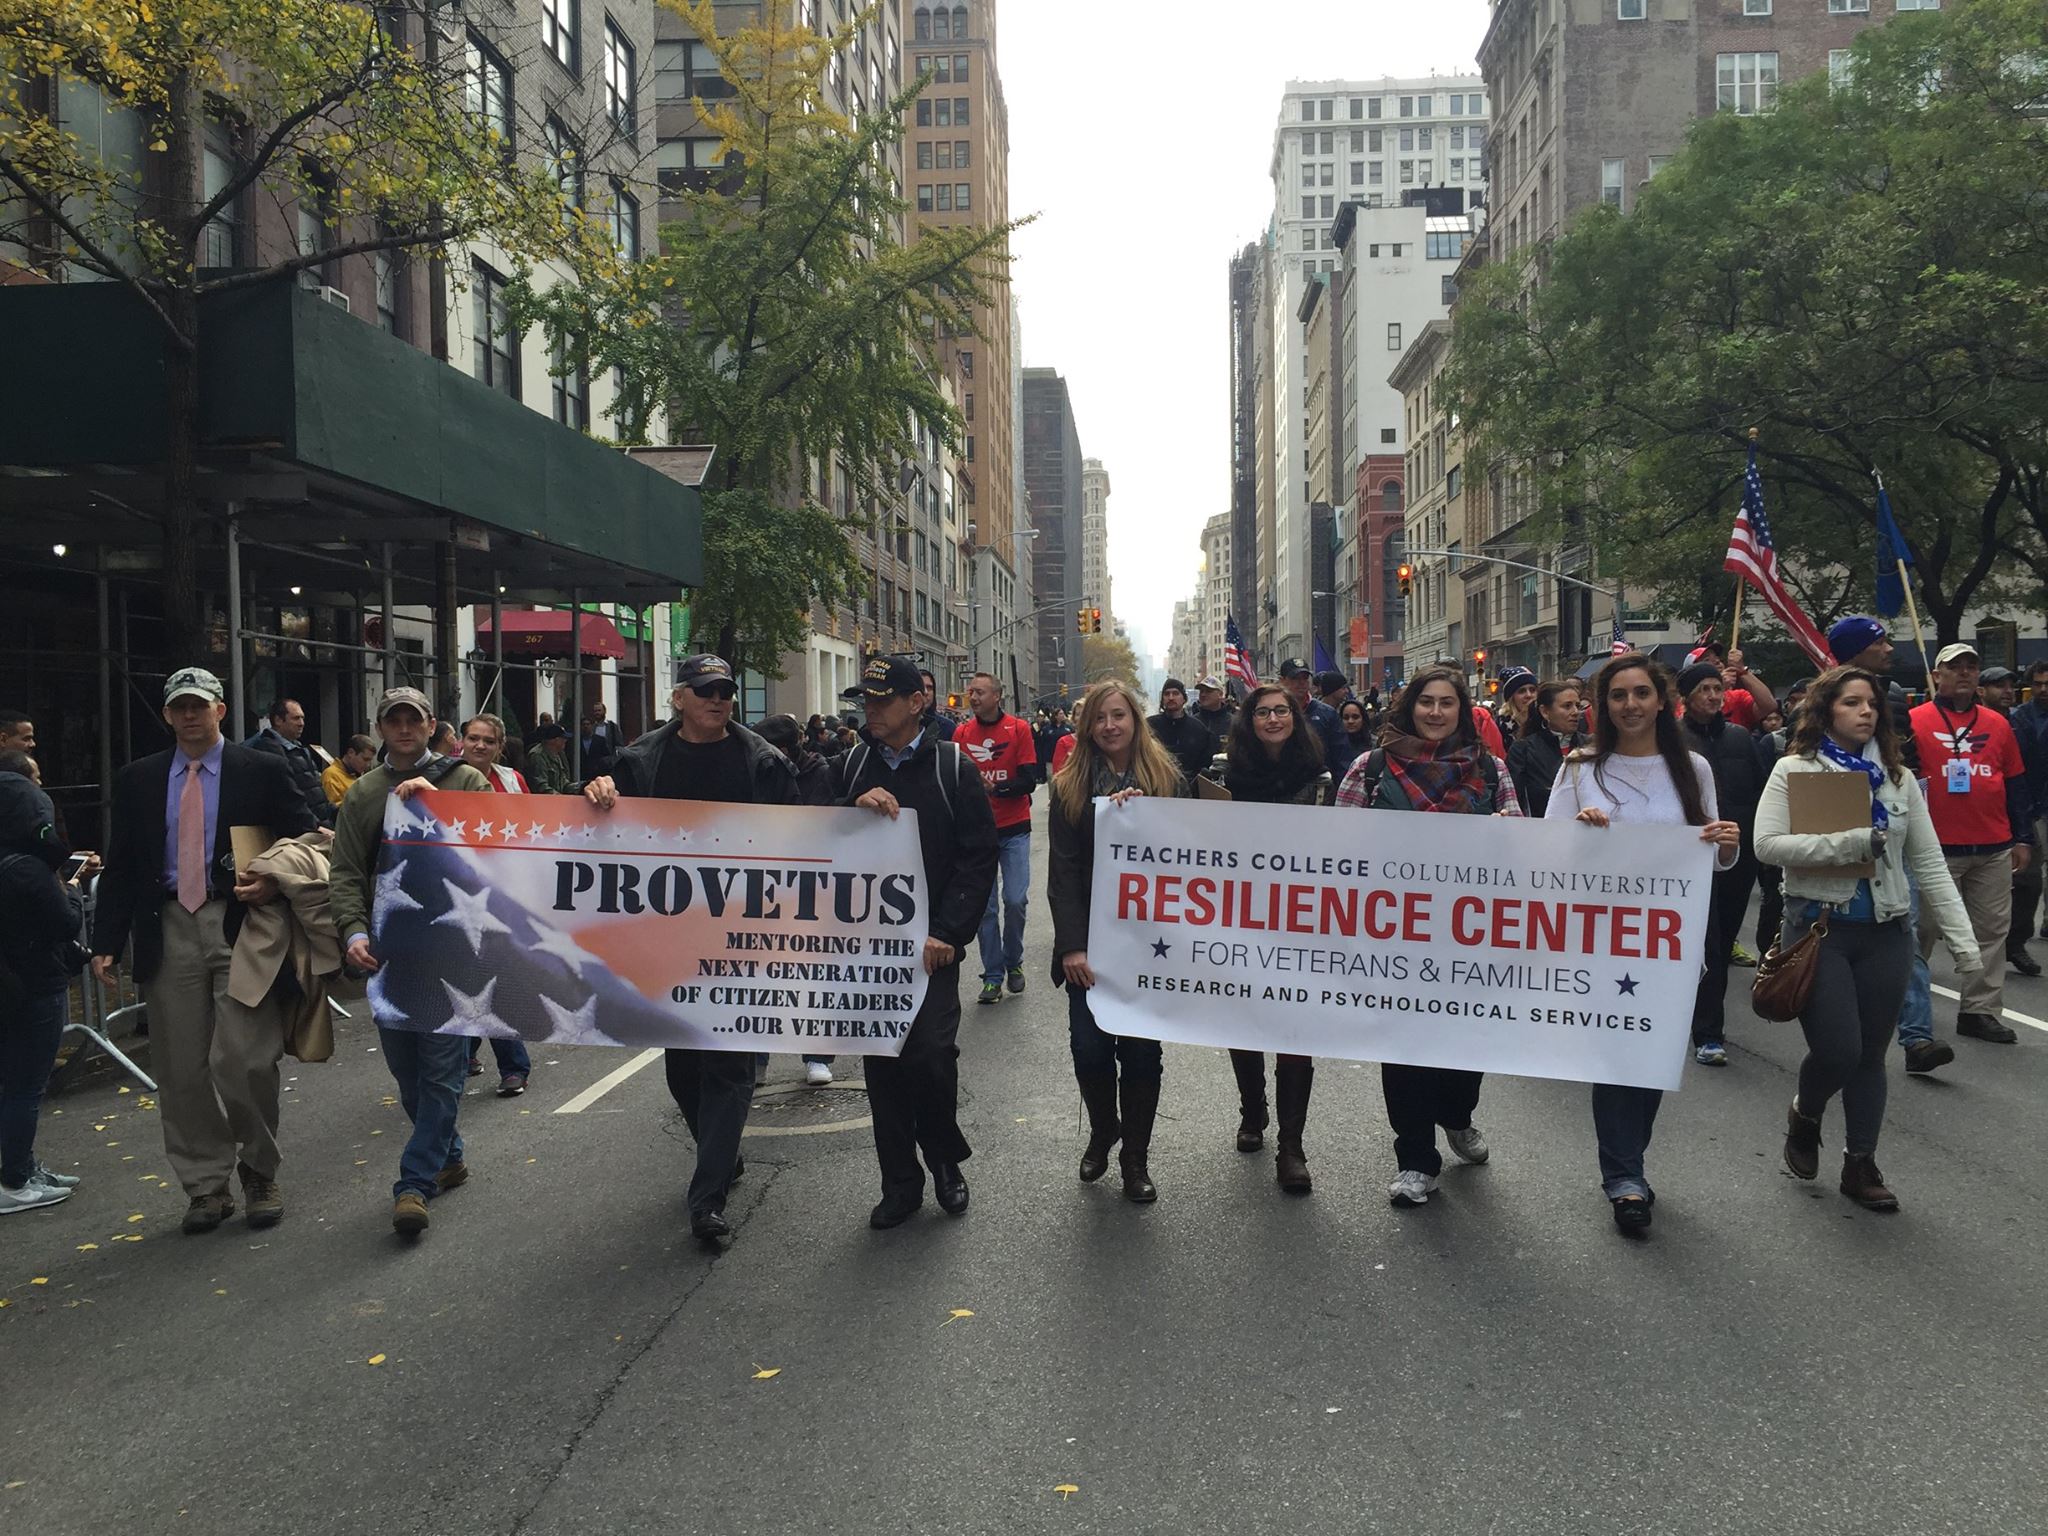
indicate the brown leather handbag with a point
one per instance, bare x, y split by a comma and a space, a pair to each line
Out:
1784, 977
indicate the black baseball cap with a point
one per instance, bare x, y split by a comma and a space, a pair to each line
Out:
697, 672
1294, 667
887, 675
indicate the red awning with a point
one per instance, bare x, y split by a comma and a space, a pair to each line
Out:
545, 632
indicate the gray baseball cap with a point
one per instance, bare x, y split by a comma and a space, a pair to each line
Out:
193, 683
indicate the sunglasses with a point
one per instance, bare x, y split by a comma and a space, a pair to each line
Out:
717, 691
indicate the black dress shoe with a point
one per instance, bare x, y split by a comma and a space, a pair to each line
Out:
895, 1210
1985, 1026
1632, 1216
2018, 958
951, 1187
711, 1227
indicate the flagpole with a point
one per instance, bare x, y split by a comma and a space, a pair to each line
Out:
1735, 628
1912, 608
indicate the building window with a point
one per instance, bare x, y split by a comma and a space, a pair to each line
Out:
558, 31
1450, 291
495, 360
1476, 138
564, 162
1425, 138
1327, 144
1658, 162
960, 154
924, 155
1407, 106
959, 69
1919, 5
571, 388
1329, 206
1845, 7
1458, 138
1629, 10
943, 111
1357, 108
1756, 7
1377, 173
1445, 245
1611, 172
1387, 436
1408, 140
924, 113
220, 241
1453, 480
1457, 169
1840, 62
961, 198
624, 219
945, 155
1372, 106
1308, 111
1746, 83
487, 84
959, 111
945, 196
1407, 170
619, 78
1329, 175
1329, 109
966, 363
1394, 336
389, 289
1308, 207
1457, 108
1358, 173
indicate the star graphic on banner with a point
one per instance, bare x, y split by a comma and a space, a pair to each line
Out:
535, 832
679, 835
391, 896
483, 830
470, 911
552, 941
509, 830
563, 832
458, 830
1627, 984
571, 1023
1159, 948
473, 1015
382, 1009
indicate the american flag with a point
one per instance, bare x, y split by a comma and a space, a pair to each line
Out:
1619, 646
1752, 556
1237, 661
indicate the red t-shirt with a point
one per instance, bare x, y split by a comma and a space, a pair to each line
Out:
1738, 707
1062, 750
1489, 730
1005, 754
1980, 737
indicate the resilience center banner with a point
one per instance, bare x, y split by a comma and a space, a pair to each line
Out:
1540, 948
659, 922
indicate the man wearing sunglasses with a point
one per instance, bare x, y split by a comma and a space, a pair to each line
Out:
703, 755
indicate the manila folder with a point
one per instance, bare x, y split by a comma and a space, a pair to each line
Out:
1830, 802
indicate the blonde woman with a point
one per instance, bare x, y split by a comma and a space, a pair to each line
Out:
1117, 756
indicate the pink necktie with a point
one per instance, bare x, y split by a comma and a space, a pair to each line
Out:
191, 841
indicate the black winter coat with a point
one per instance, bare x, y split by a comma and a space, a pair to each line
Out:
1187, 741
959, 845
1533, 763
1740, 768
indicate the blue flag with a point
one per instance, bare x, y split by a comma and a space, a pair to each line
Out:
1891, 554
1324, 663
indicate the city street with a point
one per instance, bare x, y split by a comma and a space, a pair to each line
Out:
557, 1355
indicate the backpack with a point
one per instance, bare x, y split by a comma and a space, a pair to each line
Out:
853, 762
1376, 771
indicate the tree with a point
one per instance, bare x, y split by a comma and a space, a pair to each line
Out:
322, 103
1107, 656
785, 323
1861, 274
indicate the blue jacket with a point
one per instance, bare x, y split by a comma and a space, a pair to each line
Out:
2030, 727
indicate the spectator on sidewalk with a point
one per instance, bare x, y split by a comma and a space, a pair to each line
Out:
282, 736
354, 762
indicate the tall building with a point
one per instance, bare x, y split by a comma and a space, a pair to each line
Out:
1052, 479
1591, 101
1184, 655
1219, 558
1241, 596
1095, 540
957, 172
1378, 143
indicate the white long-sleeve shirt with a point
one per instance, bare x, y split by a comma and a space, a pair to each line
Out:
1633, 791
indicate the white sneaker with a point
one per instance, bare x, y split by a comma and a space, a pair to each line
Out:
1468, 1144
31, 1196
817, 1074
50, 1176
1411, 1188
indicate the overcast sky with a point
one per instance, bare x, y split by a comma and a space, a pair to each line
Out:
1141, 138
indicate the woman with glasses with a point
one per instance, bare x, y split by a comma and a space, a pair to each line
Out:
1276, 758
1115, 755
1430, 759
1637, 772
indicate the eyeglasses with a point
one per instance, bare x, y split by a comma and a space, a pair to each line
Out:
1273, 712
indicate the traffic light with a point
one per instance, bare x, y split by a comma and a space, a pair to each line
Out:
1479, 660
1407, 574
1081, 621
1095, 621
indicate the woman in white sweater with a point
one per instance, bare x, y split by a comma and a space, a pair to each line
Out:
1637, 772
1866, 956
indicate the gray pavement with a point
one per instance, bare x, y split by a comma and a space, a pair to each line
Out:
557, 1355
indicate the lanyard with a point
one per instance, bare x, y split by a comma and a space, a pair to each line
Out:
1961, 740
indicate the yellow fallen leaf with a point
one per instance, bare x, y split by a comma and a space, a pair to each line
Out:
135, 1218
362, 1162
1067, 1491
19, 1483
113, 1143
127, 1157
375, 1360
40, 1280
533, 1159
131, 1237
124, 1090
767, 1375
376, 1133
4, 1302
220, 1293
954, 1316
87, 1247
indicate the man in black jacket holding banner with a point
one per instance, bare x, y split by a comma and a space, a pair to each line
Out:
914, 1097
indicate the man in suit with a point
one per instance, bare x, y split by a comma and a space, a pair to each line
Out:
170, 884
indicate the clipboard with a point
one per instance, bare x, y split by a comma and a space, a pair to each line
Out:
1830, 802
1209, 789
249, 844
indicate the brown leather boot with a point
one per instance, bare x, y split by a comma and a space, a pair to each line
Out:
1802, 1144
1862, 1183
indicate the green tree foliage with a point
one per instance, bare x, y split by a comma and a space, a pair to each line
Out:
1861, 274
785, 323
323, 103
1106, 656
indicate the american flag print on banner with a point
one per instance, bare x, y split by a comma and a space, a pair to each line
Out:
658, 923
1237, 661
1752, 556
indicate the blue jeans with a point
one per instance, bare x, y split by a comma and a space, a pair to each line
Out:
1002, 925
1622, 1121
28, 1049
431, 1071
511, 1054
1916, 1014
1098, 1052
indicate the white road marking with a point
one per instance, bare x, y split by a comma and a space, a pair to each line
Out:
611, 1080
2011, 1013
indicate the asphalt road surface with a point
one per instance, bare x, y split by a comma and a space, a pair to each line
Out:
558, 1356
